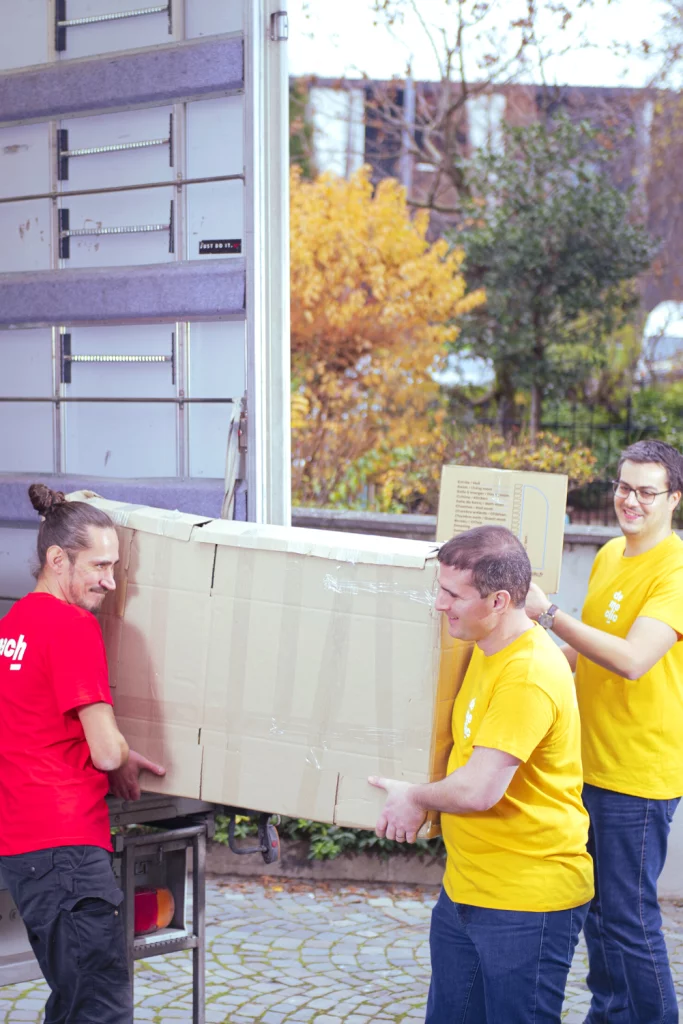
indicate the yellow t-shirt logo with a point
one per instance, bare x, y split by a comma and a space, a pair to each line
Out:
468, 718
612, 612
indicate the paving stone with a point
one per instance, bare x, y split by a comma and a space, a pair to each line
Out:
321, 956
214, 1015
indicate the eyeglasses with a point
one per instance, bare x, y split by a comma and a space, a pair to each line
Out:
644, 496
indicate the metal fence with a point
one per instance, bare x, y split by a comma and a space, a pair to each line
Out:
591, 427
606, 436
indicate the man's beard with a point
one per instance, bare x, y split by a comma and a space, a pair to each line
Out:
87, 601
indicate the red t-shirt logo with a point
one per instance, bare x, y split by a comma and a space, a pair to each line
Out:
14, 649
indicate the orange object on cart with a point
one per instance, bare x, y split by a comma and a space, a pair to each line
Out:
154, 908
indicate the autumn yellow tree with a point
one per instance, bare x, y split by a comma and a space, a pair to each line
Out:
374, 305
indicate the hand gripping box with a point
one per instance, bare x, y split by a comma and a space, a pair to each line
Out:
275, 668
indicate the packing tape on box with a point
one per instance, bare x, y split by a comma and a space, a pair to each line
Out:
287, 640
329, 545
334, 670
315, 735
341, 586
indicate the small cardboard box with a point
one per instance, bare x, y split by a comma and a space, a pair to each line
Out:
531, 505
275, 668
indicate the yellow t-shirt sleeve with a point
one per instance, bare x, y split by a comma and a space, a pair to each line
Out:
665, 603
516, 720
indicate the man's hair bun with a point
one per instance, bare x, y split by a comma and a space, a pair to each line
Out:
44, 500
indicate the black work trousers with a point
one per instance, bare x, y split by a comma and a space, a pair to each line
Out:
69, 901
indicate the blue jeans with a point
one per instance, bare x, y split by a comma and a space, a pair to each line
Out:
629, 975
499, 966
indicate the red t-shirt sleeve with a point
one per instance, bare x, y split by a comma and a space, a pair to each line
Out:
78, 662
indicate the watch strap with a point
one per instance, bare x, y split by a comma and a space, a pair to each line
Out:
547, 618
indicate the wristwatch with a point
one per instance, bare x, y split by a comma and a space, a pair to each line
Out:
547, 618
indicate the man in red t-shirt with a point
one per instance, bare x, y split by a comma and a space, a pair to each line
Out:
60, 753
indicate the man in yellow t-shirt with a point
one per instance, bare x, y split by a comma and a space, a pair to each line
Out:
629, 683
518, 877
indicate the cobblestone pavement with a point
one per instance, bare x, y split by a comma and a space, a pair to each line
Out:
283, 952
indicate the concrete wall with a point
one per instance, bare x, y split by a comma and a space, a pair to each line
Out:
17, 547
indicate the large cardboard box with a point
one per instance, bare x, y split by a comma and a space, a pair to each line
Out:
276, 668
531, 505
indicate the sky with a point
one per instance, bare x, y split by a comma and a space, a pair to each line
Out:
333, 39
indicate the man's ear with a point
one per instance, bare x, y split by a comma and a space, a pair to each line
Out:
676, 495
501, 601
56, 558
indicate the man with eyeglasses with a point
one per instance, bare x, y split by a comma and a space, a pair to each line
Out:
629, 681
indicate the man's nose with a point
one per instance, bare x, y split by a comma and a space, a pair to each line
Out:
108, 582
631, 500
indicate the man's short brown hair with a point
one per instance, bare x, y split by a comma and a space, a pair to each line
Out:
659, 452
496, 559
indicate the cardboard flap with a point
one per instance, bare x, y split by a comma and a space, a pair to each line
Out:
176, 747
338, 547
159, 521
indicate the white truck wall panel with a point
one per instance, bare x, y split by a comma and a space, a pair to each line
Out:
27, 29
26, 233
208, 17
26, 437
17, 558
125, 166
130, 439
217, 369
25, 34
217, 359
202, 17
25, 160
111, 440
215, 137
215, 212
211, 66
26, 363
209, 425
172, 291
144, 208
26, 428
108, 36
137, 379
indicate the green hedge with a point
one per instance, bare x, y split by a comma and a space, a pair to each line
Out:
325, 842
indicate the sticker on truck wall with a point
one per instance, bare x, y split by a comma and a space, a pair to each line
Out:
211, 246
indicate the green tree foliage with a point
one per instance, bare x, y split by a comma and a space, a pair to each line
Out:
553, 242
301, 149
658, 409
